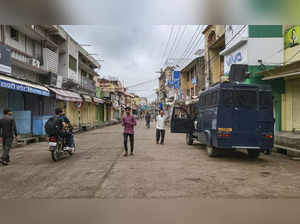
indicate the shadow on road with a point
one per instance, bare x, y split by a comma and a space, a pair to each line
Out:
231, 156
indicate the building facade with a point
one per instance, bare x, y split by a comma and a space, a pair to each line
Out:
214, 43
45, 68
251, 49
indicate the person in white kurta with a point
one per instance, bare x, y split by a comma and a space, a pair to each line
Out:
160, 127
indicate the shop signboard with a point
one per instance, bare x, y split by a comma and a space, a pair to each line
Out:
5, 59
23, 88
236, 57
176, 79
292, 37
194, 81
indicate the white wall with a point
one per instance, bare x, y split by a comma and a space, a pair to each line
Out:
63, 64
232, 35
267, 49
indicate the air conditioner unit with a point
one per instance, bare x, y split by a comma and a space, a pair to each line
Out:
37, 63
34, 62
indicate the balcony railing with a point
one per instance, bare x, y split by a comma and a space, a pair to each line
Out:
88, 84
23, 57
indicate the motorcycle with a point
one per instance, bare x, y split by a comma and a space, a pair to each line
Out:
57, 148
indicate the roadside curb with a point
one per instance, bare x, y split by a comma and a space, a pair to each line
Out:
45, 139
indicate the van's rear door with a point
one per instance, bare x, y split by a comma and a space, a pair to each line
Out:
245, 116
181, 121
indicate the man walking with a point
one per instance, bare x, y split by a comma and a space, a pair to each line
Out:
7, 132
128, 122
148, 119
160, 127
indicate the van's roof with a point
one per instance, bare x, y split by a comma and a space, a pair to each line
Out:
236, 85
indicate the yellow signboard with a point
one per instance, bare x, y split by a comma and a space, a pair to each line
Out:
292, 37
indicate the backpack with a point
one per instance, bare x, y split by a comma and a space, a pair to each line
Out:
51, 126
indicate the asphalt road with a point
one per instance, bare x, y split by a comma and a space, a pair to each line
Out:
173, 170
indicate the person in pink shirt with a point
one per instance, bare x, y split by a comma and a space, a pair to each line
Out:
128, 122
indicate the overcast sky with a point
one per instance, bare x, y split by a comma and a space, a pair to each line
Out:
135, 53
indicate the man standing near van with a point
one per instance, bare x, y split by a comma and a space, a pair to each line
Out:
128, 122
160, 127
7, 132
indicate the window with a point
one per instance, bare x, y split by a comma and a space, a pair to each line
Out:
227, 98
207, 100
192, 91
214, 99
265, 99
212, 37
14, 34
244, 98
188, 93
180, 113
72, 63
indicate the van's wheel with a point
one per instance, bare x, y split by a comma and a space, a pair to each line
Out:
253, 153
189, 139
211, 151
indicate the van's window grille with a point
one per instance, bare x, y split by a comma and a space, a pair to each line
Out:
265, 99
227, 99
245, 98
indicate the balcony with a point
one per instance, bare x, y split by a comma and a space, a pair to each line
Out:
87, 68
105, 94
88, 84
26, 61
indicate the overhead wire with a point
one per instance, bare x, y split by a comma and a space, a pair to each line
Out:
191, 41
174, 42
167, 45
198, 37
194, 47
179, 41
142, 83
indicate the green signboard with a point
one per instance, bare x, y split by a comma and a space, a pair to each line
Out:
292, 37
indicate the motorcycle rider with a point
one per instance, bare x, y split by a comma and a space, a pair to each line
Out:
64, 128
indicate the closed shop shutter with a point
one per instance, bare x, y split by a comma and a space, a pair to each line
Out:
296, 104
3, 99
116, 114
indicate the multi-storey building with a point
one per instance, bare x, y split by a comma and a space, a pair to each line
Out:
214, 44
31, 61
285, 81
192, 78
40, 56
251, 49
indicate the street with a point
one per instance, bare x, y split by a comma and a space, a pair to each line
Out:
173, 170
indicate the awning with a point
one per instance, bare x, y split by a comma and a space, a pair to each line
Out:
292, 69
97, 100
23, 86
66, 95
87, 98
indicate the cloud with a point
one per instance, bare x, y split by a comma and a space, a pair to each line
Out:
132, 53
